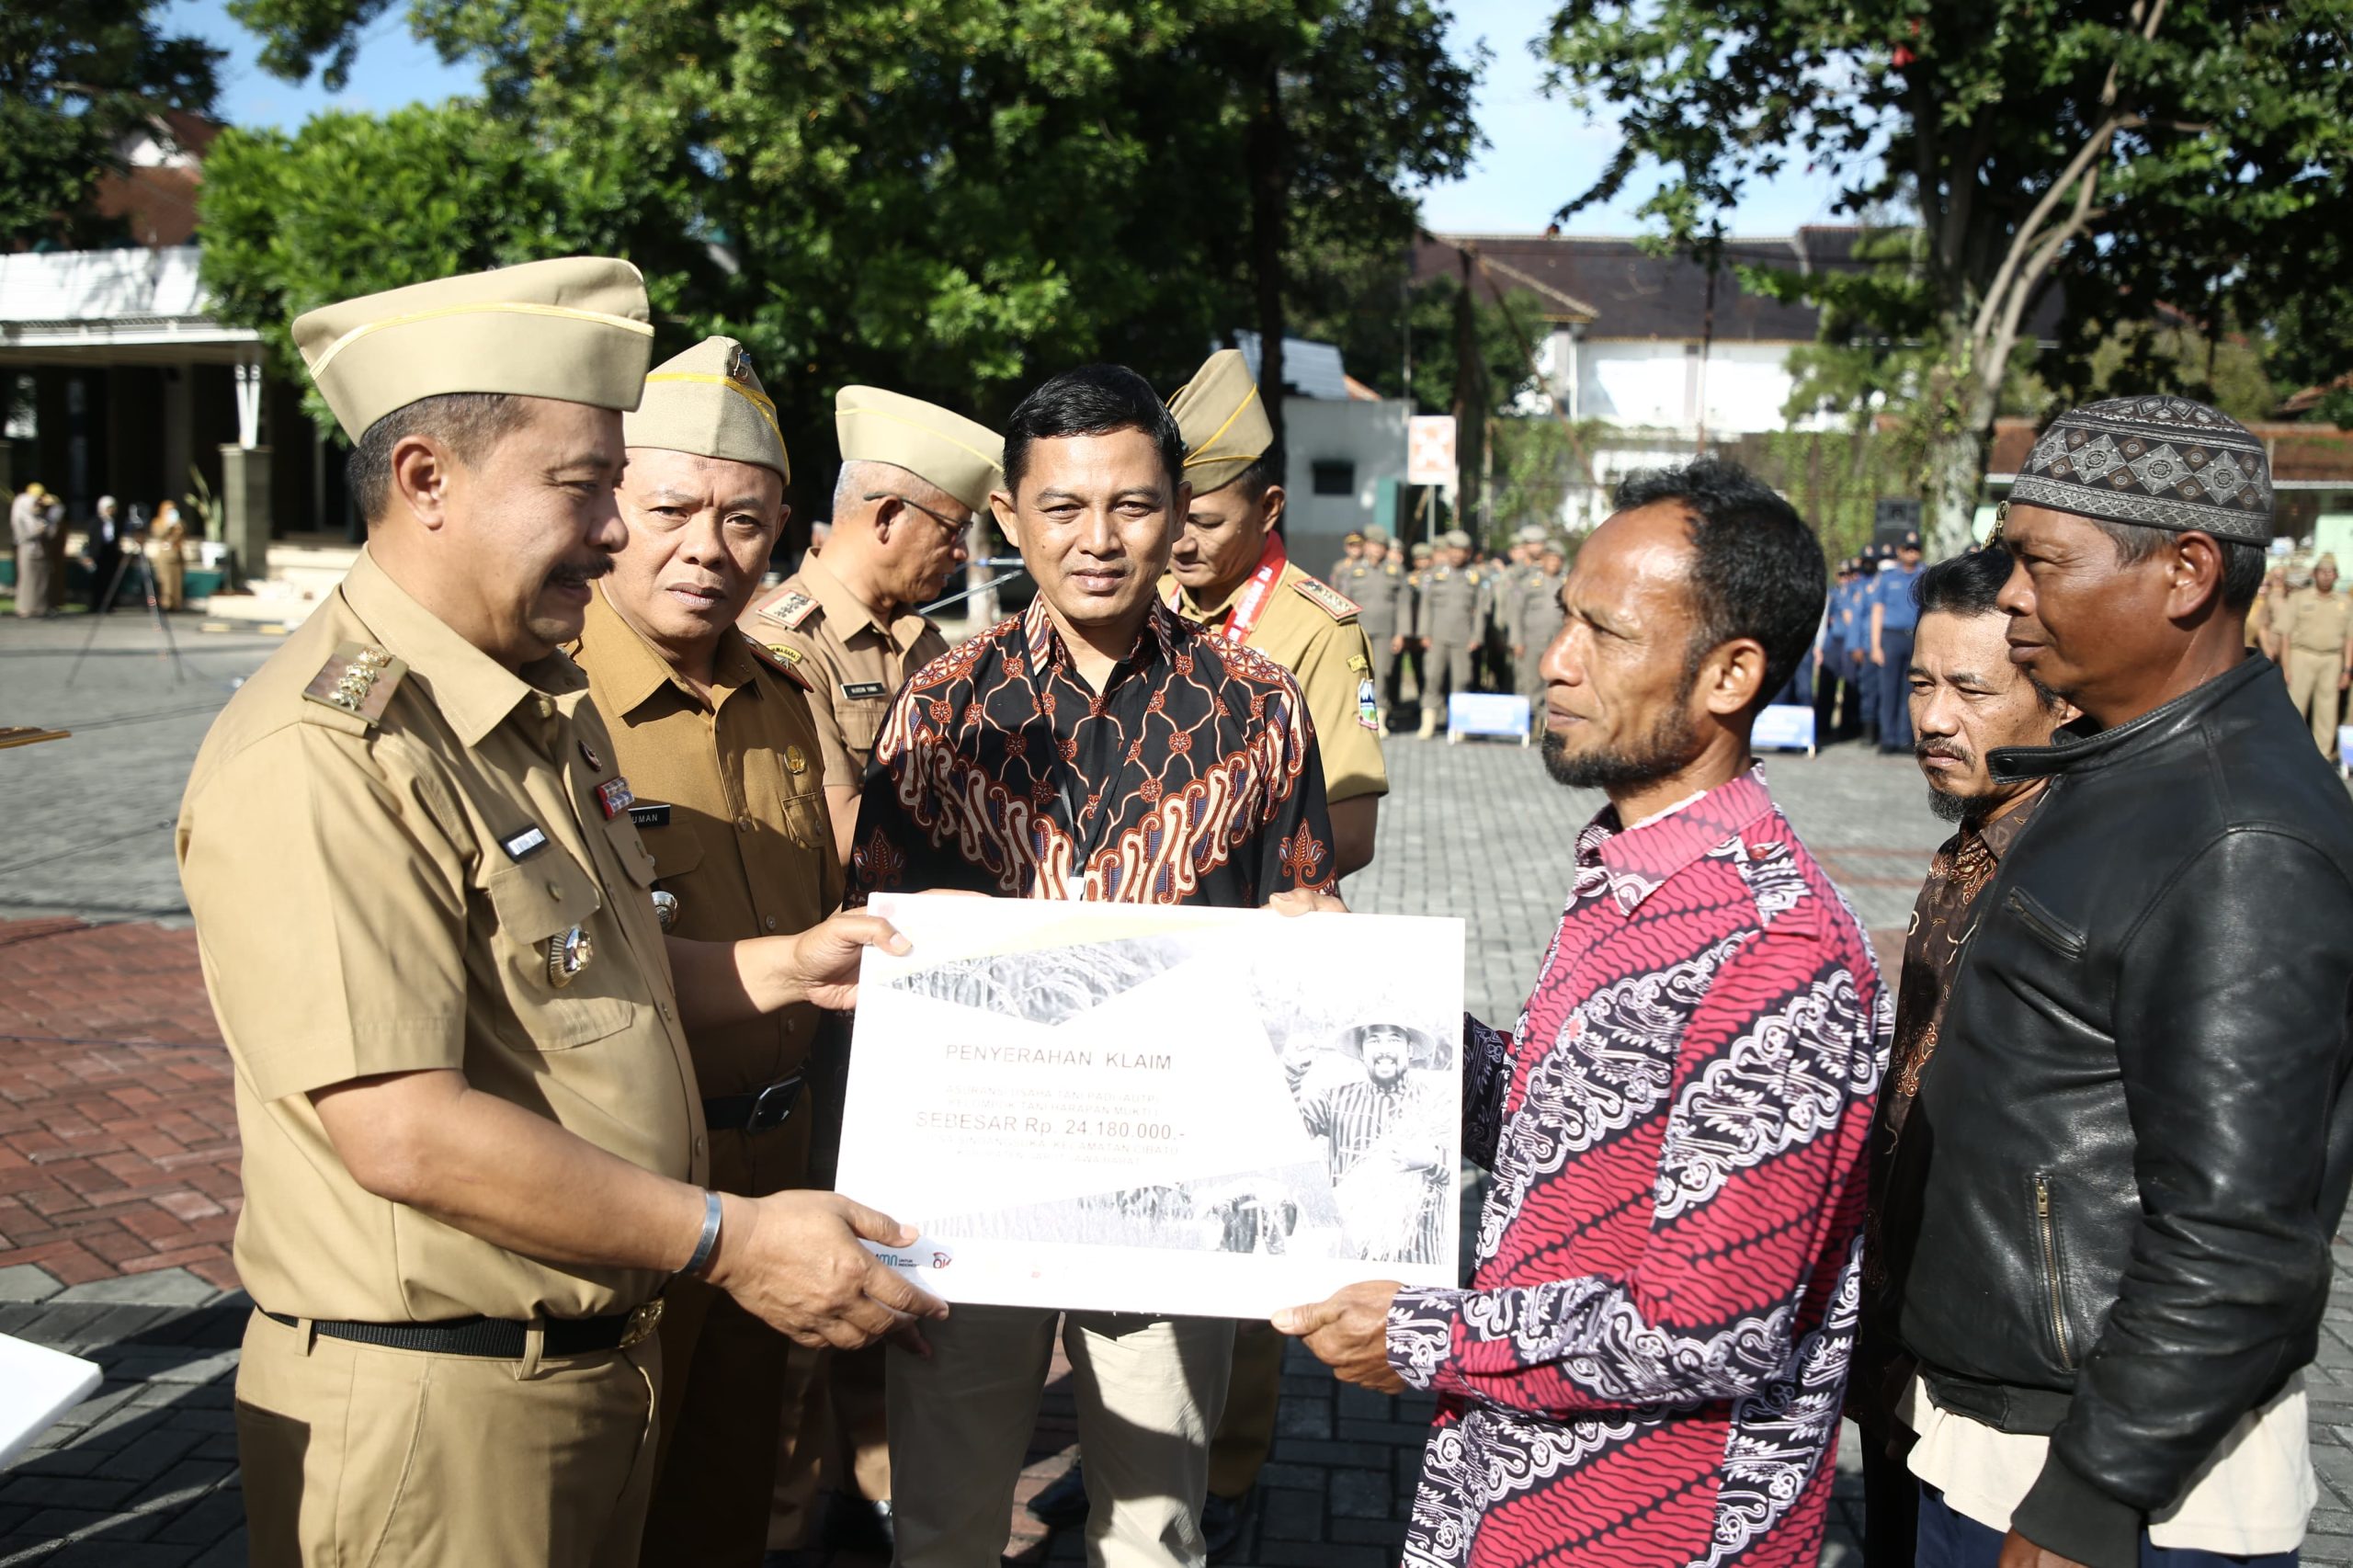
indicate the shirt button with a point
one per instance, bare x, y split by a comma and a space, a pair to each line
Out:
663, 1008
555, 890
742, 824
770, 923
546, 706
698, 1145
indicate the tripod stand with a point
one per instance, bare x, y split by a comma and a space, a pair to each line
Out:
130, 557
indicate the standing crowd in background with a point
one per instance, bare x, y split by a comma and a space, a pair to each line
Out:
113, 543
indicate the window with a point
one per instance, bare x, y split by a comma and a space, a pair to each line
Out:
1333, 477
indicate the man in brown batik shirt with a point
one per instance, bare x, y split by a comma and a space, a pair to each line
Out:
1967, 699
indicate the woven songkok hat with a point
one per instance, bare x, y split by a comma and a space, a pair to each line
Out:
710, 402
2163, 462
942, 448
1222, 420
574, 329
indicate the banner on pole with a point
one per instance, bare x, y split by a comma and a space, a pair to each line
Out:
1429, 449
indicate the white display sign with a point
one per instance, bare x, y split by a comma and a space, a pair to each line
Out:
1429, 449
1162, 1110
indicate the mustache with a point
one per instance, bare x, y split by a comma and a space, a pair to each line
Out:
1924, 750
580, 574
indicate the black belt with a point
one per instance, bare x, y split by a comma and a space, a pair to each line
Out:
497, 1339
755, 1112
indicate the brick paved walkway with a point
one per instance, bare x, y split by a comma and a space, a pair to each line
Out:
117, 1145
117, 1158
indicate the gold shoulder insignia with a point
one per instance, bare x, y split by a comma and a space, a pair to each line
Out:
358, 680
781, 659
1328, 599
791, 610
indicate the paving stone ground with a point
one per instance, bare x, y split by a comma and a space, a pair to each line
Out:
117, 1158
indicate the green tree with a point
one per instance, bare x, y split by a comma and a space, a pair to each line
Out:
74, 77
944, 196
2144, 151
435, 190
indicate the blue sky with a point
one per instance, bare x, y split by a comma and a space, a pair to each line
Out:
1544, 153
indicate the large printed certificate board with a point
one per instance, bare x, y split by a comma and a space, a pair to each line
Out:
1175, 1111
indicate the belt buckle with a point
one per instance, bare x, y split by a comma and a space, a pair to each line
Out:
642, 1319
773, 1106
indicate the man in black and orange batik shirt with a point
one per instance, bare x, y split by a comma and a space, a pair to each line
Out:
1095, 746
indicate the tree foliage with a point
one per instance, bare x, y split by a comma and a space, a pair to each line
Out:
75, 75
947, 196
2142, 153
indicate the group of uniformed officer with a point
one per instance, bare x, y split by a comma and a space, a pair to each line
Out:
1864, 649
533, 998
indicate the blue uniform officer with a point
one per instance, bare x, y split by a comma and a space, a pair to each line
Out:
1893, 616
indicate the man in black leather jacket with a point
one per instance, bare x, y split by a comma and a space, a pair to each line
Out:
2110, 1219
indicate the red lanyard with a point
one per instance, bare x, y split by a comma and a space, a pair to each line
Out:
1244, 617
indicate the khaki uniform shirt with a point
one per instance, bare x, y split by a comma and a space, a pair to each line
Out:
730, 803
1454, 605
2315, 621
1313, 633
1384, 603
853, 663
377, 891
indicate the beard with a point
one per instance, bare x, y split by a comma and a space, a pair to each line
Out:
1671, 744
1944, 803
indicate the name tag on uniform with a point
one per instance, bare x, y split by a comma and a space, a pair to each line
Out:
861, 690
650, 816
614, 797
523, 845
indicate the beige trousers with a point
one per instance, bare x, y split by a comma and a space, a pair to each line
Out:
2312, 685
1149, 1392
351, 1453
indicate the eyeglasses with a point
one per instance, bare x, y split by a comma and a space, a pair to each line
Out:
959, 532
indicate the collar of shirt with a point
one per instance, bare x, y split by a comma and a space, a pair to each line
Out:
1049, 652
1998, 834
473, 691
852, 613
634, 670
1638, 860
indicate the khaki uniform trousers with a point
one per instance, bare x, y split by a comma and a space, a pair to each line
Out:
353, 1453
170, 575
1245, 1433
1149, 1393
34, 594
1446, 669
2312, 685
735, 1395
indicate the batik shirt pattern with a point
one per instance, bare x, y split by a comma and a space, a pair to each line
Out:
1647, 1368
1192, 778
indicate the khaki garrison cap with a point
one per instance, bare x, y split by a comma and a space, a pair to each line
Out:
574, 329
708, 402
1223, 423
942, 448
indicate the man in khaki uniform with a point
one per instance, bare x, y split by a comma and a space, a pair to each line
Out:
473, 1145
1453, 602
1536, 616
722, 755
1351, 551
913, 478
1228, 570
2314, 626
1376, 582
